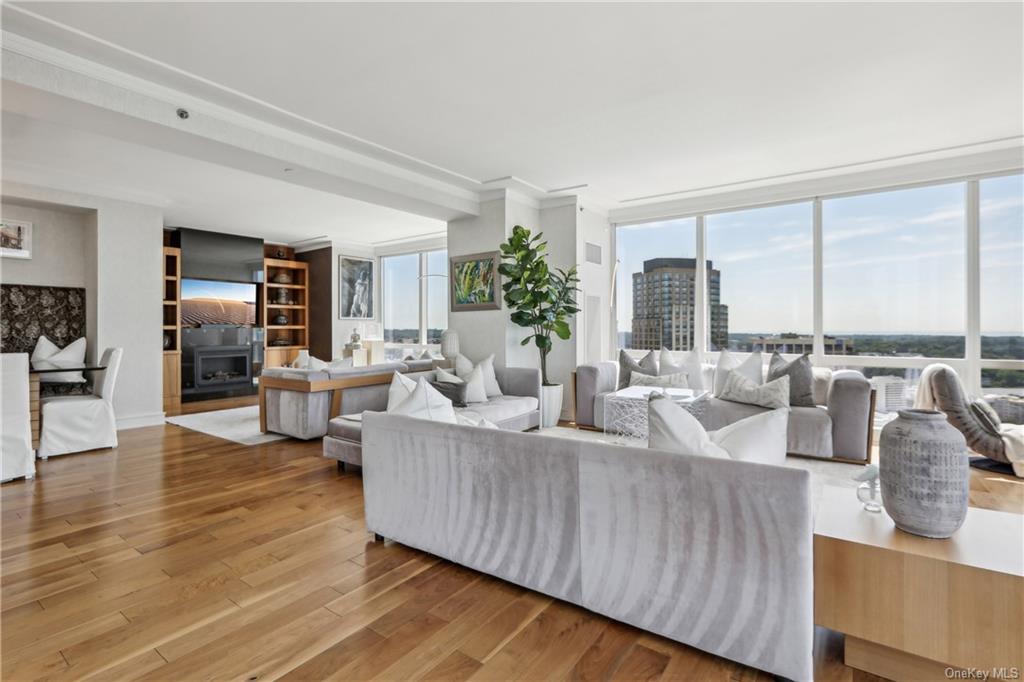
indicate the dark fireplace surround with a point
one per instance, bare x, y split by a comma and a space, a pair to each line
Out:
223, 367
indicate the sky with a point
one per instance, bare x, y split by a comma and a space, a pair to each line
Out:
400, 284
235, 291
893, 261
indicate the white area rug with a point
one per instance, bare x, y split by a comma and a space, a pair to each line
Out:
240, 424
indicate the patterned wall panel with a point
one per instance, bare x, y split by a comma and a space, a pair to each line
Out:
28, 312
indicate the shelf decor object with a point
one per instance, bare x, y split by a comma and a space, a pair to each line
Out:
925, 473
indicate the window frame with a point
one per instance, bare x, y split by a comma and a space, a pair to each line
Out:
422, 275
969, 366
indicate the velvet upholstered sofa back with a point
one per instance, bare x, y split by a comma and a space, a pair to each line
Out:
713, 553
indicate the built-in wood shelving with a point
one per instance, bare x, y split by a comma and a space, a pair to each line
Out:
172, 328
289, 299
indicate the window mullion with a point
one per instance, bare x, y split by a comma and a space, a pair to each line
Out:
972, 283
700, 297
819, 280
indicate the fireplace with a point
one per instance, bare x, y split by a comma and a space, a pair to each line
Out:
222, 367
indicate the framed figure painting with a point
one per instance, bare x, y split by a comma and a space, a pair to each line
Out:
15, 239
473, 282
356, 283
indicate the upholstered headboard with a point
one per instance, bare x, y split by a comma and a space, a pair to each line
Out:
28, 312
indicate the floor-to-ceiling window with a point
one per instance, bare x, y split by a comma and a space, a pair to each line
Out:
891, 284
761, 262
415, 304
655, 285
1001, 228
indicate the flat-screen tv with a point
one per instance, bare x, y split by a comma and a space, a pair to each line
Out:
205, 301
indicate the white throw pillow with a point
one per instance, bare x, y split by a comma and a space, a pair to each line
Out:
73, 353
773, 395
443, 375
400, 390
760, 438
677, 380
476, 391
426, 403
470, 418
463, 368
340, 363
689, 363
751, 368
316, 363
463, 365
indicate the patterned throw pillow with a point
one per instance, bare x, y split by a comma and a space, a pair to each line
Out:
801, 378
677, 380
739, 389
986, 416
627, 365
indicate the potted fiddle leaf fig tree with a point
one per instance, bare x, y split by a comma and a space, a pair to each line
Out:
542, 300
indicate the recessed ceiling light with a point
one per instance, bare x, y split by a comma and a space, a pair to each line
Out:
288, 170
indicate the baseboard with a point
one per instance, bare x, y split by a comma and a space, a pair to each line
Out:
137, 421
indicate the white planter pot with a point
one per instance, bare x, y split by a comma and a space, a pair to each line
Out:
550, 405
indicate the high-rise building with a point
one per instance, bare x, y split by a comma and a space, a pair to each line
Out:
664, 305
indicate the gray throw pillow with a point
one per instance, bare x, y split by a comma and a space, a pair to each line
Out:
627, 365
454, 392
801, 378
739, 389
986, 416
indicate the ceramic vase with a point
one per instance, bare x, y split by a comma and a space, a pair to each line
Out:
550, 405
925, 473
449, 344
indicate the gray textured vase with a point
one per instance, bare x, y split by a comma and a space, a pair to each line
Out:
925, 473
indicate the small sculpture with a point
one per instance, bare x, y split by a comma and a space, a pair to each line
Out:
355, 341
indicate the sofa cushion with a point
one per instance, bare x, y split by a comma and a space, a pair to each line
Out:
809, 431
426, 402
822, 382
728, 363
801, 378
648, 365
401, 388
504, 407
346, 428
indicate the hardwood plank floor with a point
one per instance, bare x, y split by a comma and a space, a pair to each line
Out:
179, 556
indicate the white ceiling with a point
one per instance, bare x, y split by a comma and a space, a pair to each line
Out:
631, 99
194, 193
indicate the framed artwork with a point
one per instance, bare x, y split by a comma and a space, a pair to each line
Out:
15, 239
356, 288
473, 282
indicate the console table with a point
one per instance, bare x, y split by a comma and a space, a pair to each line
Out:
912, 607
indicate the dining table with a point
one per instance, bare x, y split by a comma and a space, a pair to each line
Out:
37, 370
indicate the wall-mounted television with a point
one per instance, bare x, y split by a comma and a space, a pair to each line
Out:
206, 301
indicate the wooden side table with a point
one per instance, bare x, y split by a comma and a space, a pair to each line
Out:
912, 607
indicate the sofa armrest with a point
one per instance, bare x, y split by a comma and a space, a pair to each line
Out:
520, 381
592, 379
849, 405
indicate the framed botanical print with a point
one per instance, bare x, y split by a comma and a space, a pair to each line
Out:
473, 282
356, 288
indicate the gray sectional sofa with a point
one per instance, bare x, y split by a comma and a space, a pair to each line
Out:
838, 427
517, 409
714, 553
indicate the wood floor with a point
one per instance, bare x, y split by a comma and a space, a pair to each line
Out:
179, 556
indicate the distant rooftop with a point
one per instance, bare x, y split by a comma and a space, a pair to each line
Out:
671, 263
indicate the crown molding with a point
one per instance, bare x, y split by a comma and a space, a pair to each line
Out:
929, 167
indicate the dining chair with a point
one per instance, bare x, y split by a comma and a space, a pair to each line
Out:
17, 458
76, 423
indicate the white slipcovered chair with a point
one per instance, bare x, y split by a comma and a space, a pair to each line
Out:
76, 423
16, 456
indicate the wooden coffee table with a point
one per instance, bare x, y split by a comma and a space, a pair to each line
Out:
912, 607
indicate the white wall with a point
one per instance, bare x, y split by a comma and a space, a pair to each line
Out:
595, 281
122, 255
58, 246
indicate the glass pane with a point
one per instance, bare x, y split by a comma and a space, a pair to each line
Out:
1009, 381
655, 284
1002, 269
437, 295
894, 272
762, 262
401, 298
895, 388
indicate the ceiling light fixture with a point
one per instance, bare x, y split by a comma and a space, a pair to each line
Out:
183, 114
